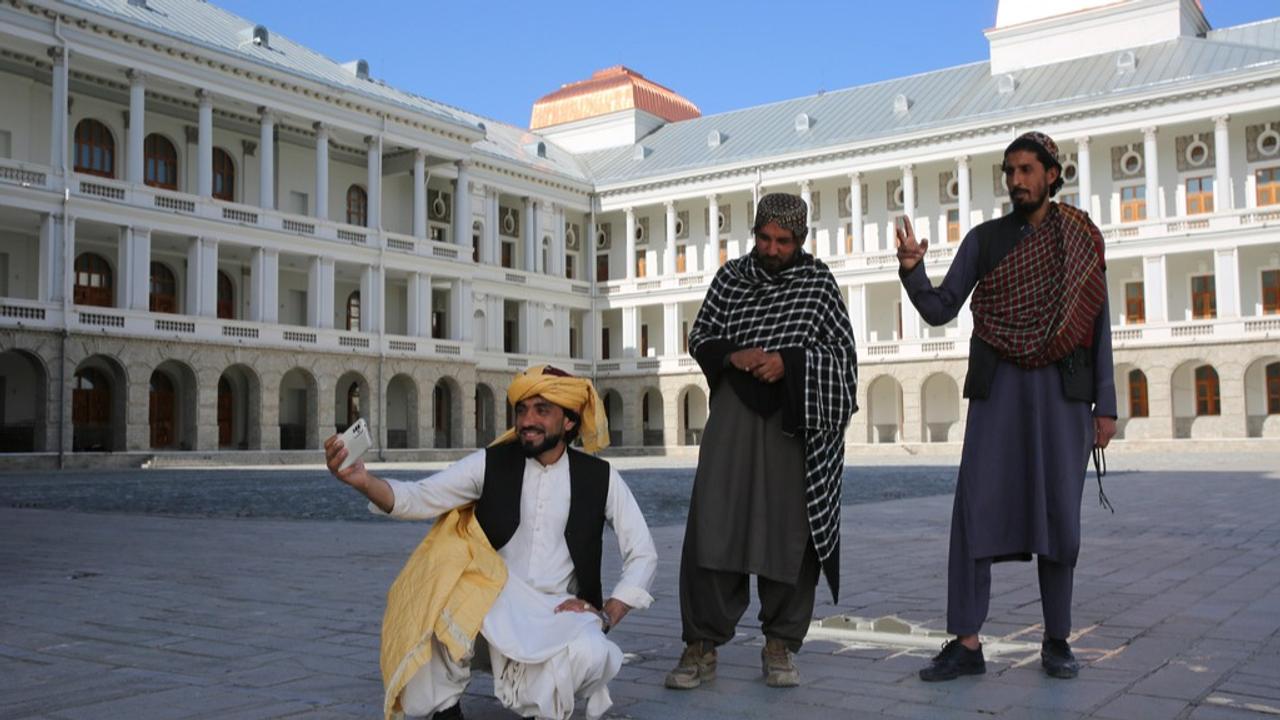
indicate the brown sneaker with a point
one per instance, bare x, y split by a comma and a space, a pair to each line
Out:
697, 665
778, 666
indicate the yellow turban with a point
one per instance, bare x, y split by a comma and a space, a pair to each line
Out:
569, 392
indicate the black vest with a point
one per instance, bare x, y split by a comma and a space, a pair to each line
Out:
498, 510
996, 238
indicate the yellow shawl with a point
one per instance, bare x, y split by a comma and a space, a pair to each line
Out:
444, 591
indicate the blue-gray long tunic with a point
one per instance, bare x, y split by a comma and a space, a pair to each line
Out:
1026, 446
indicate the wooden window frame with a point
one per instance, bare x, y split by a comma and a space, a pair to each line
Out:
1139, 405
1208, 391
357, 206
1199, 201
224, 175
1136, 206
1135, 309
96, 146
1208, 298
160, 160
94, 281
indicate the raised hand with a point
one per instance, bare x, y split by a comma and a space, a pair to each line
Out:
910, 252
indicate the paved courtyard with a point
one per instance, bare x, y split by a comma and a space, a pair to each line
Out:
119, 615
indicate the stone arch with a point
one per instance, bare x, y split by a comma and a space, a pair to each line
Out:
940, 405
99, 405
299, 411
1195, 405
1262, 397
1133, 402
693, 415
172, 406
884, 410
350, 400
486, 429
651, 411
613, 412
24, 387
402, 412
446, 413
239, 408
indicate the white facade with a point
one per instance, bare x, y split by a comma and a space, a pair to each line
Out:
472, 258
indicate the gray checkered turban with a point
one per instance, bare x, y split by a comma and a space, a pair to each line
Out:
789, 211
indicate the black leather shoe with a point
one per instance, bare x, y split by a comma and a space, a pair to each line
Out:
954, 660
1057, 660
453, 712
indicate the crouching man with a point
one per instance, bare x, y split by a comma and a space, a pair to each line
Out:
514, 557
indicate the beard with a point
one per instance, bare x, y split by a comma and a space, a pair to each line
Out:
534, 449
1026, 203
773, 265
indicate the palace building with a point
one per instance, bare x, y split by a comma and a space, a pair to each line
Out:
215, 239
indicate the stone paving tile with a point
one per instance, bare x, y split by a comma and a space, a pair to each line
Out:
163, 617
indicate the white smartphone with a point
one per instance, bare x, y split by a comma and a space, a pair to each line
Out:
356, 441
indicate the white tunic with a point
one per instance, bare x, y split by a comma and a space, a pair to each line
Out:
540, 659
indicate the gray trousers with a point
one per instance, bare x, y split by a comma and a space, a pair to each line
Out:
713, 601
969, 591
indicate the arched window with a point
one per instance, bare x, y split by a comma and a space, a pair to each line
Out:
353, 403
164, 289
357, 206
1137, 394
1273, 388
226, 297
162, 162
93, 281
1208, 399
224, 176
353, 311
95, 149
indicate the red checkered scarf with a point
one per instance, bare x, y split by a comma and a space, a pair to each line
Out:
1041, 300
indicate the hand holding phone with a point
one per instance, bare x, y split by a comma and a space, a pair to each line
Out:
356, 440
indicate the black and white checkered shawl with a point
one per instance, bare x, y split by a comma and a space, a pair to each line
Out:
800, 307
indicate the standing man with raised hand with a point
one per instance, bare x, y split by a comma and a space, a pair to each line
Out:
1041, 397
774, 341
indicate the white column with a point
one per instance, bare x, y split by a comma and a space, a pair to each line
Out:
134, 171
1150, 161
530, 236
669, 249
204, 144
858, 312
315, 277
1154, 290
670, 329
59, 134
556, 265
962, 179
462, 325
1226, 274
134, 290
267, 160
855, 213
1223, 197
629, 247
419, 310
367, 284
373, 182
320, 208
806, 194
489, 239
526, 342
1084, 175
631, 332
51, 259
591, 335
420, 195
589, 249
711, 252
327, 310
257, 285
909, 193
462, 206
202, 277
910, 318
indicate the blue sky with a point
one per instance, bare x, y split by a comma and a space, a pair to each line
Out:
497, 58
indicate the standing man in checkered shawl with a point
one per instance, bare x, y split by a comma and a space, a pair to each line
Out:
1041, 397
774, 341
